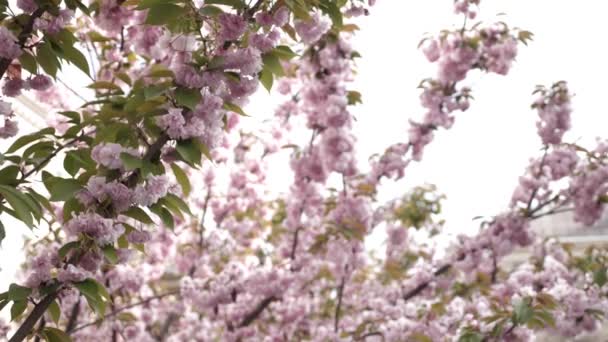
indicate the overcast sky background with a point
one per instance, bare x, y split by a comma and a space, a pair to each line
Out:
476, 163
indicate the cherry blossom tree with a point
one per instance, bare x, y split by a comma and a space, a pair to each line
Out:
163, 224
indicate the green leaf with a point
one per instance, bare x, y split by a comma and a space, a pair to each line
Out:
189, 152
47, 59
331, 9
237, 4
70, 207
138, 214
65, 249
164, 13
234, 108
173, 209
354, 97
17, 292
523, 311
72, 4
26, 139
18, 308
164, 215
55, 335
93, 292
55, 311
74, 56
182, 179
73, 116
18, 203
210, 11
272, 63
471, 336
2, 234
599, 277
266, 78
187, 97
124, 77
110, 253
130, 162
145, 4
28, 62
178, 202
126, 317
8, 175
104, 85
155, 90
419, 337
62, 189
78, 159
284, 52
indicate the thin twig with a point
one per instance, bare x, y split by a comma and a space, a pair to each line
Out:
339, 305
119, 310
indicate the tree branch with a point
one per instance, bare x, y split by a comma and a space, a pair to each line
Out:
152, 154
34, 316
413, 293
339, 305
257, 311
73, 317
119, 310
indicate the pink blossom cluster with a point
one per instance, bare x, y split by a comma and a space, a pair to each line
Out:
9, 49
13, 87
466, 7
53, 24
104, 231
108, 155
553, 107
9, 129
27, 6
587, 191
311, 30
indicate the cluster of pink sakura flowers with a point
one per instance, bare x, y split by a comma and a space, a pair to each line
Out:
262, 268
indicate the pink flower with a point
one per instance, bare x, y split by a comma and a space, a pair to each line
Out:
108, 155
281, 16
72, 274
40, 82
9, 48
9, 129
310, 31
13, 87
232, 26
27, 6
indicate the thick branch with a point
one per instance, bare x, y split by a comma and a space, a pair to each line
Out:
34, 316
413, 293
257, 311
73, 317
294, 246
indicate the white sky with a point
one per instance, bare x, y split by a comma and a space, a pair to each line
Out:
478, 161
